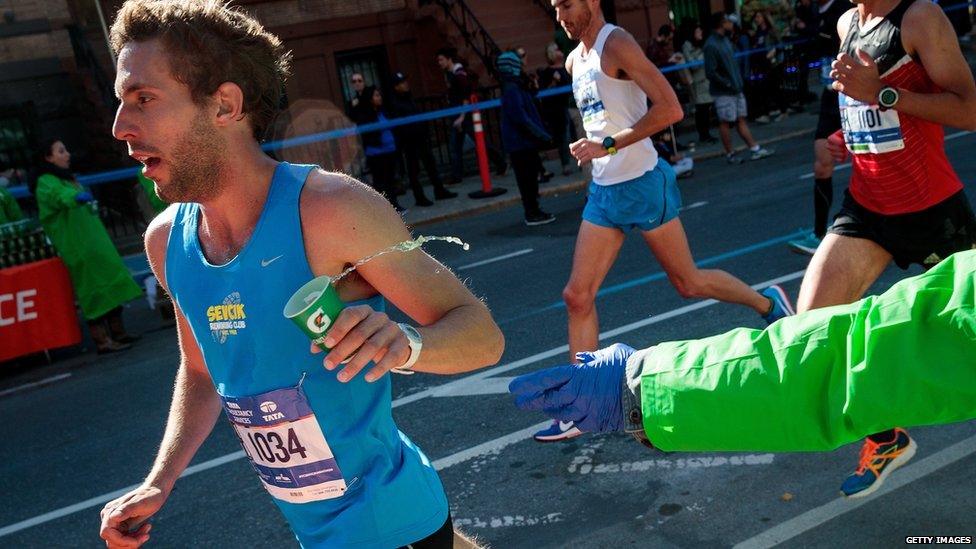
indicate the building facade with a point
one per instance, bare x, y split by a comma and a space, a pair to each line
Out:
56, 72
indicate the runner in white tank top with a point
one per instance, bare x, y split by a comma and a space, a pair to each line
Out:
632, 188
609, 105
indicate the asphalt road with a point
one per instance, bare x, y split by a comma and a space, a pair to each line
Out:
69, 444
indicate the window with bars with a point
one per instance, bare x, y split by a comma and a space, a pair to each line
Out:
370, 62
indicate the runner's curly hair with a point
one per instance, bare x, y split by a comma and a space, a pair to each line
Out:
210, 43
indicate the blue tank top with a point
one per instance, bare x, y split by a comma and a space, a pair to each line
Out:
329, 453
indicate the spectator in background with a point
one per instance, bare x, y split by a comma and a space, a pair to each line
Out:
530, 78
805, 27
555, 108
414, 142
523, 133
684, 166
661, 48
9, 209
379, 146
101, 281
460, 88
766, 98
693, 52
725, 86
358, 84
147, 198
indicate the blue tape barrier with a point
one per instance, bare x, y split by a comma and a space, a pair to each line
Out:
130, 173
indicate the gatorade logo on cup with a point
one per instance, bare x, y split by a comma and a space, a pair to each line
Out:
318, 322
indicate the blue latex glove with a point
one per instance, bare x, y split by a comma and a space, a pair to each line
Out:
84, 197
588, 393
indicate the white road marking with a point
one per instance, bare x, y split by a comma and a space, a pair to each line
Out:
493, 445
443, 463
494, 259
105, 498
489, 386
949, 137
585, 467
815, 517
507, 521
33, 384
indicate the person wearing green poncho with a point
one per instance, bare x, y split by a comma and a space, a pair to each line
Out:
9, 209
156, 204
101, 281
811, 382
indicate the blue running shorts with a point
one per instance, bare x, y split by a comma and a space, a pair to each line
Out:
644, 203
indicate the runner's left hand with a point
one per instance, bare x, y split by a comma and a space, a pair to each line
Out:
586, 150
589, 393
360, 335
857, 78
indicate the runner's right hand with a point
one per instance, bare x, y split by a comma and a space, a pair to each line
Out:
836, 146
132, 509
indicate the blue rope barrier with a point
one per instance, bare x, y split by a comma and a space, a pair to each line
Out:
129, 173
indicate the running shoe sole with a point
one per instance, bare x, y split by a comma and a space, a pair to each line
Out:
784, 299
895, 463
572, 432
798, 248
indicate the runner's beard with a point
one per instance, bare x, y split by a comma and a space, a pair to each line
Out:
578, 28
197, 161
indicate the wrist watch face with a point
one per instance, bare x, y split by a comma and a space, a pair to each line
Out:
609, 142
887, 97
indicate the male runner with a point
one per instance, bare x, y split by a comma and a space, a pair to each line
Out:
631, 187
198, 83
901, 77
825, 46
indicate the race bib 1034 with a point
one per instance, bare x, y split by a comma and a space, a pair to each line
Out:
868, 129
283, 440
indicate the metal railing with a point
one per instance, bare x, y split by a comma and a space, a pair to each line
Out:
473, 32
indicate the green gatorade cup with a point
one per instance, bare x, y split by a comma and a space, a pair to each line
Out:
314, 307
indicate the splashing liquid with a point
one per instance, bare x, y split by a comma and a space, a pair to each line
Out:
404, 246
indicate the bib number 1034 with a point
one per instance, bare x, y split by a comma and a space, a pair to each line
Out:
274, 447
284, 442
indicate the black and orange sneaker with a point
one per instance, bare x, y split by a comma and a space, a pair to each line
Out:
878, 460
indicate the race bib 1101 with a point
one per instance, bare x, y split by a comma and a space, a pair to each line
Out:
283, 440
868, 129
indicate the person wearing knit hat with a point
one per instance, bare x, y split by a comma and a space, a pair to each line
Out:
523, 132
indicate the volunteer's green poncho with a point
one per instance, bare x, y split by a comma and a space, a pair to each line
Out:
9, 209
100, 279
149, 187
824, 378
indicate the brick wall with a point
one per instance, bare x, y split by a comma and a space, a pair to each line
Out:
23, 10
291, 12
36, 46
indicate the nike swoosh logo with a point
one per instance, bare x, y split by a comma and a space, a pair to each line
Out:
565, 425
266, 262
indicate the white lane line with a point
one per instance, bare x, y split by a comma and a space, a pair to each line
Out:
494, 259
33, 384
815, 517
105, 498
949, 137
445, 462
493, 445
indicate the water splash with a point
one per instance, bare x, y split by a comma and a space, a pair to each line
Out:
405, 246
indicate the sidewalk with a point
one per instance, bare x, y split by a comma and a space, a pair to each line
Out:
791, 126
